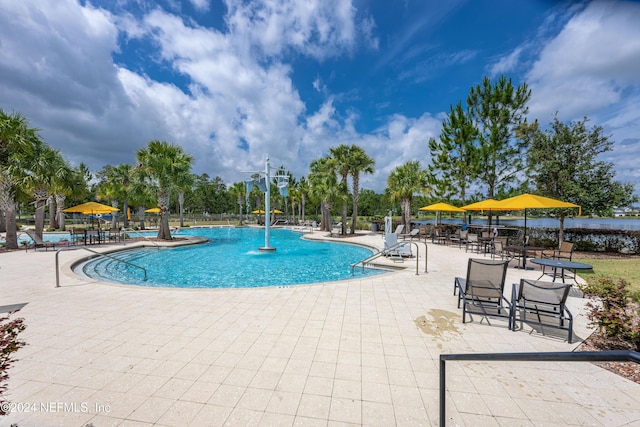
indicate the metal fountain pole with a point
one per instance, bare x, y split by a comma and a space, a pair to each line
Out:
267, 213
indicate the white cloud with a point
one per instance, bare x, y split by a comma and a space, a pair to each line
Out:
506, 63
590, 62
318, 28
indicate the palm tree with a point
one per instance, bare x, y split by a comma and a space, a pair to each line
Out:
184, 182
17, 146
360, 162
239, 190
324, 186
303, 190
404, 181
163, 165
66, 183
47, 168
342, 157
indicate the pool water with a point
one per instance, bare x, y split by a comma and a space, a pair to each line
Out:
231, 260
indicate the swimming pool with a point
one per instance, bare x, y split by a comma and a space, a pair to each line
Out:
231, 260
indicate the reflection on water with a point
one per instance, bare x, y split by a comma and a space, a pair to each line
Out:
596, 223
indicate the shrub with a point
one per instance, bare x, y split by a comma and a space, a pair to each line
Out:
9, 344
614, 309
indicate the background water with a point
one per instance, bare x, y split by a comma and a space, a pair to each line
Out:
232, 260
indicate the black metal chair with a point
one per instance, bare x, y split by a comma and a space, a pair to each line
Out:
481, 292
541, 304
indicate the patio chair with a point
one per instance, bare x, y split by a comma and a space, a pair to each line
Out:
460, 237
481, 292
472, 240
115, 235
544, 302
38, 242
564, 252
438, 237
77, 235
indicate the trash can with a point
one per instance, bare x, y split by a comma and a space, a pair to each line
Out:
375, 227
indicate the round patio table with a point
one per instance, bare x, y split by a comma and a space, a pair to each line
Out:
561, 264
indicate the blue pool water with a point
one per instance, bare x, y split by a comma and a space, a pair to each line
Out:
232, 260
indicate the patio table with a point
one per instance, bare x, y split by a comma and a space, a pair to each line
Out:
561, 264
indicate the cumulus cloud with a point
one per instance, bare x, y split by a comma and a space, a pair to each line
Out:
590, 62
318, 28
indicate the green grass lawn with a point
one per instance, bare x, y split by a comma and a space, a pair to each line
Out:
616, 268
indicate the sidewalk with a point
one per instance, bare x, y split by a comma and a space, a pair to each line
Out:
360, 352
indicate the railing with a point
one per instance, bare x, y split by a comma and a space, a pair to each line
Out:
581, 356
97, 253
390, 249
131, 230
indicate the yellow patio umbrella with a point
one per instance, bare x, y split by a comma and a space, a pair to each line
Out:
485, 205
91, 208
153, 210
532, 201
439, 207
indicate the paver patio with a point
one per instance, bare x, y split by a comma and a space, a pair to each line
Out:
357, 352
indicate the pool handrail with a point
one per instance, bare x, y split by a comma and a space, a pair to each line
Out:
131, 230
99, 255
386, 251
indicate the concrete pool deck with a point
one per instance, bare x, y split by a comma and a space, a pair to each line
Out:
357, 352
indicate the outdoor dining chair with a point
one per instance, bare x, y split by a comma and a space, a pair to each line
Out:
481, 292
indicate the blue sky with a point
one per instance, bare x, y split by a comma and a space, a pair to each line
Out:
232, 81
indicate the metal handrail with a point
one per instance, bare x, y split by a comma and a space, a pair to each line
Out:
131, 230
97, 253
385, 251
568, 356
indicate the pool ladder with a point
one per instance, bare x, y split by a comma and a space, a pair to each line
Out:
388, 251
99, 254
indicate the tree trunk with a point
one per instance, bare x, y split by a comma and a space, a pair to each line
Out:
561, 230
114, 215
163, 203
53, 223
40, 197
125, 214
356, 195
60, 198
8, 205
181, 203
3, 225
406, 214
343, 229
141, 217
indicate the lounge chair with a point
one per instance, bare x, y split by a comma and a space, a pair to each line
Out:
411, 235
38, 242
481, 292
544, 302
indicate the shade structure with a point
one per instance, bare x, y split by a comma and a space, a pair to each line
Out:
91, 208
441, 207
153, 210
485, 205
531, 201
